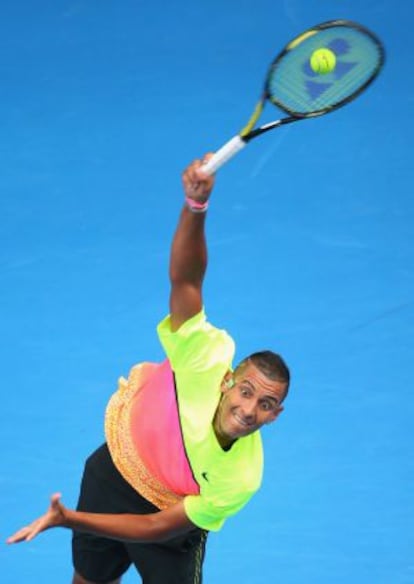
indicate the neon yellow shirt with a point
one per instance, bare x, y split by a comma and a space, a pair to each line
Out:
200, 355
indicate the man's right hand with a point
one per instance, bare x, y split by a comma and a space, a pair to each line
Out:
197, 185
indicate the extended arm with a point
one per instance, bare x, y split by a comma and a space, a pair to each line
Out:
154, 527
188, 259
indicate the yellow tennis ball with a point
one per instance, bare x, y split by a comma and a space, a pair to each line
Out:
323, 61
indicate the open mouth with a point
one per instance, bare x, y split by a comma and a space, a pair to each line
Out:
241, 421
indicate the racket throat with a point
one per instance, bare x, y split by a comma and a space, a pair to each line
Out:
270, 126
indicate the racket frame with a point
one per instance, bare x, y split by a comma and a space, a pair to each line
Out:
238, 142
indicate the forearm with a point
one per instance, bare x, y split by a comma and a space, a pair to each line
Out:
188, 260
125, 527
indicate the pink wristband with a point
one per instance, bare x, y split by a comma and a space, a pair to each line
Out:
195, 206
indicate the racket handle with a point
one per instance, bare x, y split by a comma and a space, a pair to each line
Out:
223, 155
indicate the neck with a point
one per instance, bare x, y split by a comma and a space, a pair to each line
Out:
225, 442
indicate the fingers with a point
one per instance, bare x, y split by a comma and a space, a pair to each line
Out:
36, 529
55, 501
199, 167
197, 185
29, 532
53, 517
21, 535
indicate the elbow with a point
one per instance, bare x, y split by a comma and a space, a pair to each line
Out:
162, 527
191, 277
157, 531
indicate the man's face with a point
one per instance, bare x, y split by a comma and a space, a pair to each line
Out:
249, 400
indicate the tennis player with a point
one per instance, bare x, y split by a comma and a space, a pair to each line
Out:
183, 450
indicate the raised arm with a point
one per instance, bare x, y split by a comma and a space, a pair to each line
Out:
188, 259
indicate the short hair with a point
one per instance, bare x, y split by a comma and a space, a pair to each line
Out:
270, 364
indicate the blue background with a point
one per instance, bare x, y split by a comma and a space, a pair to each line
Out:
311, 253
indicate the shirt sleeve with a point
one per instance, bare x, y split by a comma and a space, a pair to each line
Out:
211, 515
196, 345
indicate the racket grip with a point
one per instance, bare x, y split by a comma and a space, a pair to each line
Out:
223, 155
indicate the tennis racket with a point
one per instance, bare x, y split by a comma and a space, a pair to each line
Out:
294, 87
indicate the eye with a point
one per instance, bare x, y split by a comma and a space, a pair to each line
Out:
245, 391
268, 406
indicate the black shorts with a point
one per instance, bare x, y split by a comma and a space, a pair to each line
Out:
101, 560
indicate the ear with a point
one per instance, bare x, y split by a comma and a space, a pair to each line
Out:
227, 382
275, 414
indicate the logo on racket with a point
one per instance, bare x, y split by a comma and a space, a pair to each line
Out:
316, 87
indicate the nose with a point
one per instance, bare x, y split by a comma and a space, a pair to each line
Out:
249, 411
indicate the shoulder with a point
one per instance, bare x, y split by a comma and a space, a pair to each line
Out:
196, 339
198, 324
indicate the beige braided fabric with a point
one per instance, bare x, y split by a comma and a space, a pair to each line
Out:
123, 452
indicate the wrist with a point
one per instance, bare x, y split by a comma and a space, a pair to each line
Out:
68, 518
196, 206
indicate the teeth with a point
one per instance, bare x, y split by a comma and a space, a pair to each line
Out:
240, 421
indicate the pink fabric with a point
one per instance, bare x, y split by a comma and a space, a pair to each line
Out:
156, 432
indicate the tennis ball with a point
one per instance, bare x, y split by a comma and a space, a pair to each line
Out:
323, 61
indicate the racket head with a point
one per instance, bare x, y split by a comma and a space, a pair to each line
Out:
294, 87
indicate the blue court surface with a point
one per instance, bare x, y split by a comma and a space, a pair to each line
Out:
311, 235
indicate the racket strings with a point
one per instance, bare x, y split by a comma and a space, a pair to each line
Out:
306, 96
296, 88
